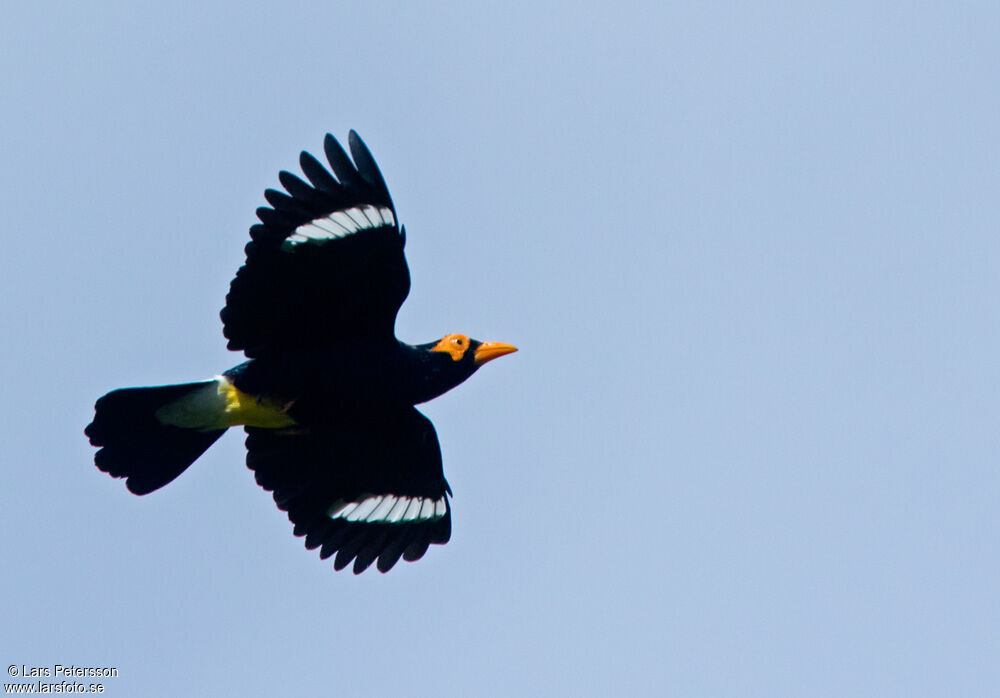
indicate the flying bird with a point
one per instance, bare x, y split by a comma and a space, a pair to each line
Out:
327, 395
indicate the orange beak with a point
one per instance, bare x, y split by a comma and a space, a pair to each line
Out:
487, 351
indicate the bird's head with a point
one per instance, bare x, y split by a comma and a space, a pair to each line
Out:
455, 357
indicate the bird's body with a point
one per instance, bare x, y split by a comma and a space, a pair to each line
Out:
327, 394
345, 378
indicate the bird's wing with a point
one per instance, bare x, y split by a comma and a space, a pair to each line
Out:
325, 265
371, 489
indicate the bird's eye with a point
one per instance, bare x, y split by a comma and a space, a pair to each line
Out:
458, 341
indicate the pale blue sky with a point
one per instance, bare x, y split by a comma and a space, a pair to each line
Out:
749, 252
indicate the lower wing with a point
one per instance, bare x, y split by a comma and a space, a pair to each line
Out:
371, 489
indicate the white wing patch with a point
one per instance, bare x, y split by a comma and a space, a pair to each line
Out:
339, 224
388, 508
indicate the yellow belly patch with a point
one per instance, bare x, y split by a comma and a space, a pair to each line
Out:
253, 411
219, 405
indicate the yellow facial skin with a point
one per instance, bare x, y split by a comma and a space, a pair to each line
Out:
454, 344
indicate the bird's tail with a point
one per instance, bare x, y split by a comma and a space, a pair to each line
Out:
144, 434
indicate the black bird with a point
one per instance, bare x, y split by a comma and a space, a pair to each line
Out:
327, 396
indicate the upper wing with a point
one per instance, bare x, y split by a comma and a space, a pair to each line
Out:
325, 264
370, 489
